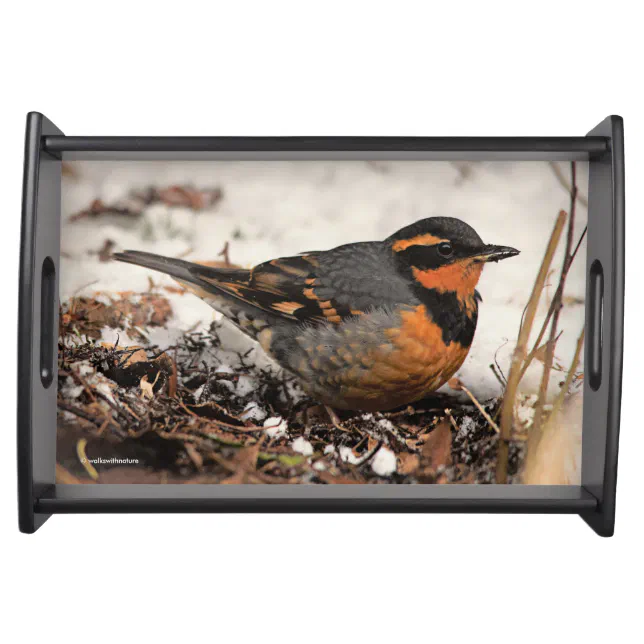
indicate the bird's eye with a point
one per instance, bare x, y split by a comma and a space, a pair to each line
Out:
445, 249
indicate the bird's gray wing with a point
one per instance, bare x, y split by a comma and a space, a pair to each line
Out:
315, 287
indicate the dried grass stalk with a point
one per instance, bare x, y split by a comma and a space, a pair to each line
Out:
555, 307
520, 351
553, 453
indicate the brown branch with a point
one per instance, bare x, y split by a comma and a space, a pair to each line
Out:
225, 253
480, 407
77, 412
536, 439
457, 385
559, 292
559, 400
520, 351
564, 183
556, 306
80, 380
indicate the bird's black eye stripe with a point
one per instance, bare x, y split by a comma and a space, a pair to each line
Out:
445, 249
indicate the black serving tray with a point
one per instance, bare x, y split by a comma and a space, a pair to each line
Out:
40, 496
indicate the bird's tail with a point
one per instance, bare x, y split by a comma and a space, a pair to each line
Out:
217, 286
181, 270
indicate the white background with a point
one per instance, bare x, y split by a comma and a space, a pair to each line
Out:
493, 68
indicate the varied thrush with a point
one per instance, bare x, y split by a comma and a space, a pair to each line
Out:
364, 326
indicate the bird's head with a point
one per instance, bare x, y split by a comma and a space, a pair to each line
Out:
444, 254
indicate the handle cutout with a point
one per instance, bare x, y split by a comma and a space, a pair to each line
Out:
47, 312
596, 325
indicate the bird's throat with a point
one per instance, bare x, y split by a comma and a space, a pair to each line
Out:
460, 278
451, 299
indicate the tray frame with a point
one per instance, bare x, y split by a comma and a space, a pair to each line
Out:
38, 494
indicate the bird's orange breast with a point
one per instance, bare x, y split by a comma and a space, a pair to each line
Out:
421, 351
411, 362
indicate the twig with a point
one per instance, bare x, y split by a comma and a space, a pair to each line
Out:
496, 362
369, 455
564, 183
335, 419
225, 254
498, 375
551, 310
77, 412
448, 413
172, 380
114, 406
559, 400
537, 343
556, 305
519, 355
535, 438
581, 239
220, 423
80, 380
478, 405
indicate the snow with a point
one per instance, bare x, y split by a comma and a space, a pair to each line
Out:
347, 455
467, 426
245, 385
275, 427
70, 390
253, 412
386, 425
114, 336
105, 389
384, 462
302, 446
197, 393
524, 410
272, 209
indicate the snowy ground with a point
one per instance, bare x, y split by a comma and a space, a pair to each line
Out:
272, 209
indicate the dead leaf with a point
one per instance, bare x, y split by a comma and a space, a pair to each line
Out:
455, 384
69, 170
327, 477
247, 457
540, 353
246, 463
172, 380
105, 253
408, 463
147, 390
138, 353
134, 203
437, 450
88, 315
190, 197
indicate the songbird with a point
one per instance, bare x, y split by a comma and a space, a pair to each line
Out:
364, 326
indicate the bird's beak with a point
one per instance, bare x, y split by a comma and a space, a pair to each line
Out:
492, 253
